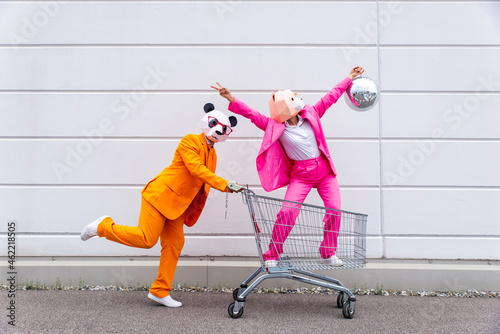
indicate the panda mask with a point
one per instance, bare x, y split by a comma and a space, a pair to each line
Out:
215, 125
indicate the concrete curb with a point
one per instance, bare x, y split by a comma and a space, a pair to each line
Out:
397, 275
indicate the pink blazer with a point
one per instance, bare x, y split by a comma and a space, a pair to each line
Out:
273, 165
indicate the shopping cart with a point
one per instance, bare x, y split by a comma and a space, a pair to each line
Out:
301, 248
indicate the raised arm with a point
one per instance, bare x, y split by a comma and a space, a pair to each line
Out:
333, 95
240, 108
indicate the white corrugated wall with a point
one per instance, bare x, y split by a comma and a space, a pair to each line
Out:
95, 96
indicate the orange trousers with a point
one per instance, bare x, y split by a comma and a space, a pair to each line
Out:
152, 225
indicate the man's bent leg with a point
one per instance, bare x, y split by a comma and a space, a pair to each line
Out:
145, 235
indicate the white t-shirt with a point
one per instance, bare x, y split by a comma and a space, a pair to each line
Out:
299, 141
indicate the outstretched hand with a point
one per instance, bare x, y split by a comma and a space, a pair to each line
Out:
224, 92
358, 70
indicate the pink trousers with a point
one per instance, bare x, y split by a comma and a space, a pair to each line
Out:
308, 174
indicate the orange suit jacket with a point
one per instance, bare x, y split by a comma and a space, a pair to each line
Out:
178, 189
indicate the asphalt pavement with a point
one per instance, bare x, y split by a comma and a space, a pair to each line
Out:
83, 311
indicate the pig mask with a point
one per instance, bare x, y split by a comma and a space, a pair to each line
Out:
215, 125
284, 105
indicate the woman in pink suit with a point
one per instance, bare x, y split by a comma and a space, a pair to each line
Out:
294, 153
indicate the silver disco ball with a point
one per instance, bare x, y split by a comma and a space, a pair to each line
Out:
362, 94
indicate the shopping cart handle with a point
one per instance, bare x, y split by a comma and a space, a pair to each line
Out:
234, 186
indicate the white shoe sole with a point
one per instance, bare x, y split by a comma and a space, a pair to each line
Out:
169, 303
333, 262
270, 263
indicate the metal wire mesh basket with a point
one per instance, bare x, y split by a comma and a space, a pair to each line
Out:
301, 247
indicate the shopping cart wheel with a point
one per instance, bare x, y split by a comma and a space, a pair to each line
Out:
349, 309
341, 299
235, 293
233, 315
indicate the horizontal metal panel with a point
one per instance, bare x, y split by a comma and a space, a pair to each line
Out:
134, 114
440, 23
442, 248
107, 162
464, 69
180, 68
467, 115
65, 245
437, 212
64, 210
441, 163
187, 22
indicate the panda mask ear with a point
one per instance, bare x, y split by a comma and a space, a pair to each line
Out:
208, 107
233, 120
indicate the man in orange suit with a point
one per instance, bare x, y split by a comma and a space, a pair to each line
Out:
174, 198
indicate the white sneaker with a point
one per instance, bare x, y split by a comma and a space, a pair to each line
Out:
166, 301
270, 263
90, 230
333, 261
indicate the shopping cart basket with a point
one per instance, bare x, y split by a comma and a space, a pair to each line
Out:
301, 248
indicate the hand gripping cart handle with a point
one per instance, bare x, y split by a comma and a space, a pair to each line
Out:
305, 247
